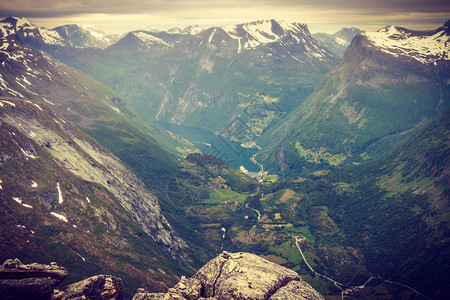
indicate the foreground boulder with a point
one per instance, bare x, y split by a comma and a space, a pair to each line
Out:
100, 287
238, 276
33, 281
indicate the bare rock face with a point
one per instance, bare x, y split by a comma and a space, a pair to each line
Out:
33, 281
239, 276
100, 287
144, 295
296, 290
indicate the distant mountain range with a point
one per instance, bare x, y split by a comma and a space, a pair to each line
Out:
86, 36
191, 72
339, 41
216, 73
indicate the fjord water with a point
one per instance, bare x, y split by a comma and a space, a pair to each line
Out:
209, 143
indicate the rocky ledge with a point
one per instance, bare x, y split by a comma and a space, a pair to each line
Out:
238, 276
37, 282
235, 276
33, 281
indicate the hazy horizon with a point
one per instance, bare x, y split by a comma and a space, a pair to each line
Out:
320, 15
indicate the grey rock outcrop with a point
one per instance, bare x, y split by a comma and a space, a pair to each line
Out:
33, 281
239, 276
295, 290
100, 287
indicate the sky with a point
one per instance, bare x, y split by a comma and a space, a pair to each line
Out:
121, 16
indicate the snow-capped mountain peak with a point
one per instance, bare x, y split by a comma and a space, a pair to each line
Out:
100, 35
338, 41
258, 33
192, 30
11, 25
423, 46
86, 36
19, 22
94, 32
29, 32
150, 40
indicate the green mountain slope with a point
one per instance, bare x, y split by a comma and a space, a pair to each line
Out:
370, 98
65, 198
94, 107
389, 217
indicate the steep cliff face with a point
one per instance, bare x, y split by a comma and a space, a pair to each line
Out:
75, 200
81, 155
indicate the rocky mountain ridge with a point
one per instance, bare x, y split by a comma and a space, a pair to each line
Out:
239, 39
339, 41
39, 37
86, 36
52, 39
427, 47
228, 276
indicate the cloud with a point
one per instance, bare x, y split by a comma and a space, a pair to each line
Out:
57, 8
323, 15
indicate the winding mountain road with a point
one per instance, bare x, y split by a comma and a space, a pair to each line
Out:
349, 288
336, 283
257, 211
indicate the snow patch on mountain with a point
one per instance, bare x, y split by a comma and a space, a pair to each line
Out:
150, 39
192, 30
28, 154
59, 216
255, 34
60, 197
51, 37
17, 199
100, 35
20, 201
21, 26
425, 48
22, 22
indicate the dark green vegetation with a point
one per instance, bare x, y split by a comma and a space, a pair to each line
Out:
209, 194
389, 218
